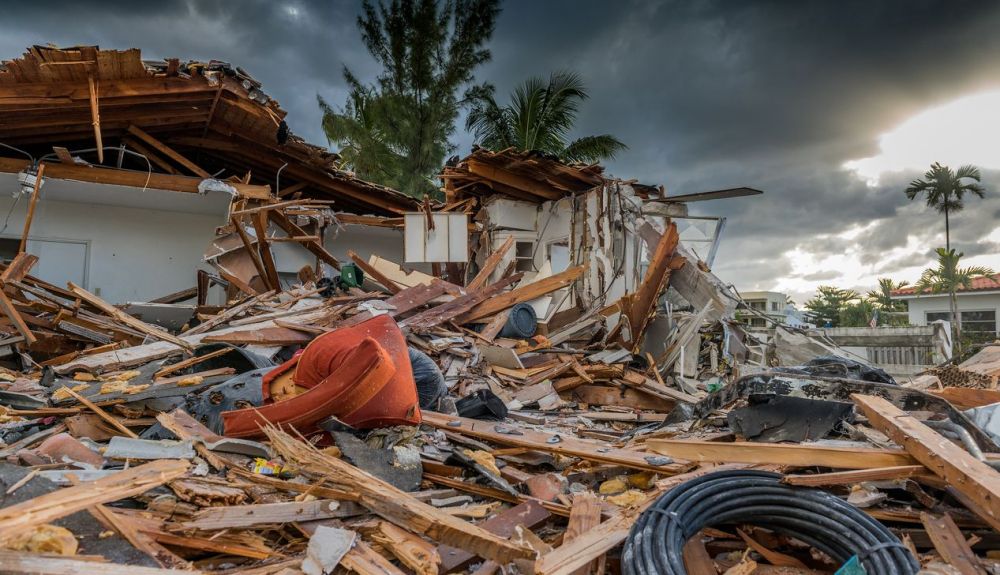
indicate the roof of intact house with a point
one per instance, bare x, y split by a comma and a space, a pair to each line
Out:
991, 283
190, 119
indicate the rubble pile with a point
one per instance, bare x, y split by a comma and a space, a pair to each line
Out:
211, 449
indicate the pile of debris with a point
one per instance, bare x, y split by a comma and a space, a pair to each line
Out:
224, 447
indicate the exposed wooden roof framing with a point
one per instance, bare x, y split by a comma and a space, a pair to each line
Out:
528, 176
191, 120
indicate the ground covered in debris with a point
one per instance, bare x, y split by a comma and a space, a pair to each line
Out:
411, 436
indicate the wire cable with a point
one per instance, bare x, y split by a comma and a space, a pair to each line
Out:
655, 543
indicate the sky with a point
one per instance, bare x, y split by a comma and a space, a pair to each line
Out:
831, 108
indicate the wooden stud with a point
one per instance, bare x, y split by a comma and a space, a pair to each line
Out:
800, 455
168, 151
31, 208
95, 116
969, 476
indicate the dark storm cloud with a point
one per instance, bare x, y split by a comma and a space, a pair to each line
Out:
707, 94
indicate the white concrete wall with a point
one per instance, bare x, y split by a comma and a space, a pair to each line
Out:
141, 245
919, 306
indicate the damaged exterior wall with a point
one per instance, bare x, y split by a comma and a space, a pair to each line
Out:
127, 244
596, 228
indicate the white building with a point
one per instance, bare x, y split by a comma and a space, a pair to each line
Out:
979, 306
773, 305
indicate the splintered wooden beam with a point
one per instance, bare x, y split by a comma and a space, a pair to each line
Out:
95, 117
376, 275
122, 317
391, 503
251, 250
270, 269
490, 265
639, 306
448, 311
168, 151
853, 477
18, 518
583, 516
18, 267
522, 294
548, 442
800, 455
950, 544
14, 316
314, 247
979, 482
31, 209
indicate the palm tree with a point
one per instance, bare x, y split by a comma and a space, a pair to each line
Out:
944, 189
947, 277
539, 117
882, 297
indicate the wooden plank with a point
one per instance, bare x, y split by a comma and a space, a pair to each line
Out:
128, 528
522, 294
314, 247
113, 421
967, 397
229, 314
503, 524
852, 477
395, 505
210, 545
607, 395
168, 151
63, 154
242, 516
697, 561
412, 551
262, 336
18, 267
17, 563
122, 317
194, 360
966, 474
376, 275
547, 442
462, 304
364, 560
491, 264
800, 455
638, 307
583, 516
15, 519
950, 544
253, 252
11, 312
31, 209
266, 257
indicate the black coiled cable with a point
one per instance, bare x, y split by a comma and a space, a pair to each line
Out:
828, 523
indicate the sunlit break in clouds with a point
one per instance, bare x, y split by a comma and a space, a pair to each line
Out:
965, 131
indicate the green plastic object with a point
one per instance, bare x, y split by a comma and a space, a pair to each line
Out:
350, 276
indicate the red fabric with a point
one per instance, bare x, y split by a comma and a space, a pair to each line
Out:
361, 374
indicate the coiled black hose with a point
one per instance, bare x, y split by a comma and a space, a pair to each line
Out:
815, 517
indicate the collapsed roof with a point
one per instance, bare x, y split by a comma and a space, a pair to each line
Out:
191, 121
529, 176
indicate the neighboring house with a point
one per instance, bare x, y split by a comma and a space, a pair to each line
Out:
773, 305
129, 230
979, 306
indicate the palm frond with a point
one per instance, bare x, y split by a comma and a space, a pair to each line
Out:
593, 149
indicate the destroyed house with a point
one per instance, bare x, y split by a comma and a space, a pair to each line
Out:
143, 161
